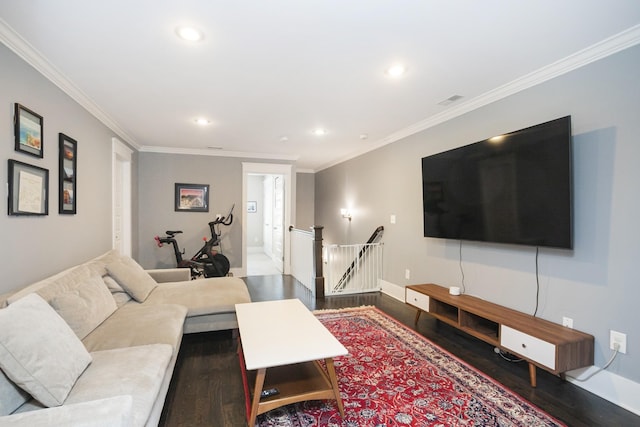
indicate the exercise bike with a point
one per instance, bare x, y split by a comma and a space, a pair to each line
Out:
207, 262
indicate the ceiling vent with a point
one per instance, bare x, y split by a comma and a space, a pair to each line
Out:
450, 99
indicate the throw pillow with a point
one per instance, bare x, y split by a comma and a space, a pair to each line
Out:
86, 306
120, 295
133, 279
39, 351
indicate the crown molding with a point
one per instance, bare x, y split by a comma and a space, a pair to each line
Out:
609, 46
218, 153
595, 52
16, 43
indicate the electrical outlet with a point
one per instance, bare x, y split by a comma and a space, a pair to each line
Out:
407, 274
620, 339
392, 219
568, 322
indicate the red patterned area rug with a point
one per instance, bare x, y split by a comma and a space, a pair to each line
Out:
394, 376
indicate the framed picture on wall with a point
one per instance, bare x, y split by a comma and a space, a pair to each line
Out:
28, 131
68, 159
191, 197
252, 207
28, 189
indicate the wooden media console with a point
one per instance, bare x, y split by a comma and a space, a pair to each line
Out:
541, 343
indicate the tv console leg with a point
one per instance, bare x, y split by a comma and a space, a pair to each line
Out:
415, 322
532, 374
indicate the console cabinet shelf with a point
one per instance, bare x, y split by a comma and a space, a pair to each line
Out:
541, 343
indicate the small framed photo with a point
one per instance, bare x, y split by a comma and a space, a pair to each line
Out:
28, 189
28, 131
252, 207
192, 197
68, 159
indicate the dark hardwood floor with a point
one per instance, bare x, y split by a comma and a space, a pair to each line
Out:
206, 389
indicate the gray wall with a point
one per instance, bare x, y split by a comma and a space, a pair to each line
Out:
35, 247
596, 283
157, 177
305, 200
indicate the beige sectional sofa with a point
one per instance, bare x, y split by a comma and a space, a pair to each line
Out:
96, 345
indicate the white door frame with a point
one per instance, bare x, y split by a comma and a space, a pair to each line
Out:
121, 197
289, 203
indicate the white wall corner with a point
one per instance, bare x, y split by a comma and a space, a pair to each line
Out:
609, 386
393, 290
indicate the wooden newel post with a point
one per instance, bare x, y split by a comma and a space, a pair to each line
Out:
317, 261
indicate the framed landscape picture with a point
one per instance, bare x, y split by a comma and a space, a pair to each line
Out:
28, 189
192, 197
68, 159
28, 131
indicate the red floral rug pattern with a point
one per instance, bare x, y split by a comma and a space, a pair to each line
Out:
393, 376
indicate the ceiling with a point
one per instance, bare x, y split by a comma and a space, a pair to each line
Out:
268, 73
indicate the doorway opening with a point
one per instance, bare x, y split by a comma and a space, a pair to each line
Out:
121, 197
267, 200
265, 224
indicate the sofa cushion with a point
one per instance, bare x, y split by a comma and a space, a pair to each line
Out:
69, 281
132, 278
133, 371
39, 351
138, 324
99, 264
136, 371
86, 306
11, 396
206, 296
110, 412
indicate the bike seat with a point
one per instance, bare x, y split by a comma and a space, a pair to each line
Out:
172, 233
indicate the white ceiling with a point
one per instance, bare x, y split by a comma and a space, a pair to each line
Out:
280, 68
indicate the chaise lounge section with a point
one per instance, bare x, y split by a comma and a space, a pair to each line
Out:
96, 345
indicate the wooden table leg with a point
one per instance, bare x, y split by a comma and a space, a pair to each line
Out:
257, 389
532, 374
415, 322
331, 370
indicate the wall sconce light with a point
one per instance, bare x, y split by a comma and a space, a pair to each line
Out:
345, 213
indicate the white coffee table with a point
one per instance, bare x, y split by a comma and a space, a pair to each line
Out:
283, 342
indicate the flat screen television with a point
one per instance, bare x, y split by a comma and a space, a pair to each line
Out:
514, 188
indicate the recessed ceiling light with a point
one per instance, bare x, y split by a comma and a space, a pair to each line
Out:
202, 121
191, 34
396, 71
284, 138
364, 136
319, 132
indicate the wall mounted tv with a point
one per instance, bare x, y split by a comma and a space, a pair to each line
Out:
514, 188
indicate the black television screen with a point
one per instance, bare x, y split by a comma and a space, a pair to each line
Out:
514, 188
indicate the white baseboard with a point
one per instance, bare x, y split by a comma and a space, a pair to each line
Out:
237, 272
609, 386
393, 290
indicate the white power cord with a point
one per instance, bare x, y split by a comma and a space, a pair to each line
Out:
616, 347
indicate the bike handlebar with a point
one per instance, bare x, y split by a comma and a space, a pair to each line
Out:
224, 220
160, 241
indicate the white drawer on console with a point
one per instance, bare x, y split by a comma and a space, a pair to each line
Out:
417, 299
530, 347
